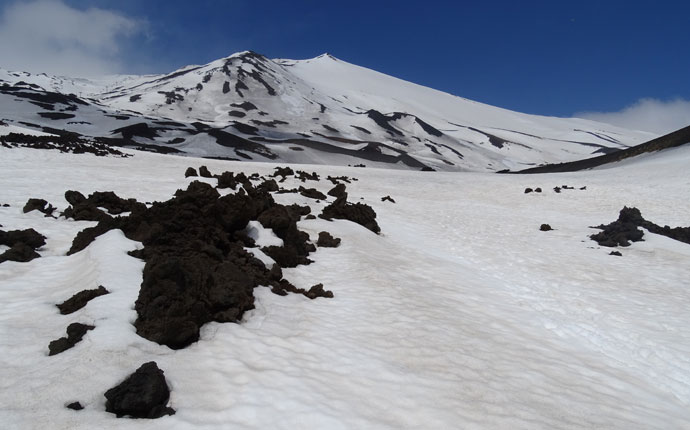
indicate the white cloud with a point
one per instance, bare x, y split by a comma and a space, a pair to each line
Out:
656, 116
50, 36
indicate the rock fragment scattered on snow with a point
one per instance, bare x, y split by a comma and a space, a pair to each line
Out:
39, 205
545, 227
143, 394
22, 243
327, 241
190, 172
80, 299
75, 406
75, 333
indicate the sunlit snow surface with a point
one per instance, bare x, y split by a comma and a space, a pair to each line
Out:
461, 314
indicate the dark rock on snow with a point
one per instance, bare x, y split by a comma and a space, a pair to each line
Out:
190, 172
327, 241
22, 243
196, 269
80, 300
387, 198
75, 332
545, 227
338, 191
360, 213
75, 406
39, 205
204, 173
625, 230
312, 193
616, 253
144, 394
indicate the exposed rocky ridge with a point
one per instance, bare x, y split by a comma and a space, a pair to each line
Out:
671, 140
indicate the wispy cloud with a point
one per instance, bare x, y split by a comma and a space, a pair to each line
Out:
656, 116
50, 36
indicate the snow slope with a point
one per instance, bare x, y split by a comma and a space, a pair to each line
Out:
320, 111
461, 314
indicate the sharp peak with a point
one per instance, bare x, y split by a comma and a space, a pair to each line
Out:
326, 55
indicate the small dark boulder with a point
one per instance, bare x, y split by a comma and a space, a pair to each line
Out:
616, 253
359, 213
528, 190
387, 198
304, 176
537, 190
327, 241
318, 291
39, 205
204, 173
283, 172
80, 300
144, 394
190, 172
545, 227
29, 237
312, 193
75, 332
557, 189
20, 252
338, 191
75, 406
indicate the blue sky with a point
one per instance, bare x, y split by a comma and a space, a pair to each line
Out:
543, 57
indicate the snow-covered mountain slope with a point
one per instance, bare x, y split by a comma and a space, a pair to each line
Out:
320, 111
461, 314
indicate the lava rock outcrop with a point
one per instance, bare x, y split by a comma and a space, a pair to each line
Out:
625, 230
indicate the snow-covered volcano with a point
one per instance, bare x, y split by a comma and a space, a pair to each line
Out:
319, 111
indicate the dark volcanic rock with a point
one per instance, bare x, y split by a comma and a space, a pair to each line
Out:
625, 230
204, 173
196, 269
39, 205
283, 221
338, 191
387, 198
29, 237
75, 332
230, 180
356, 212
545, 227
616, 253
80, 300
75, 406
283, 172
19, 252
537, 190
22, 243
190, 172
88, 209
144, 394
327, 241
528, 190
312, 193
304, 176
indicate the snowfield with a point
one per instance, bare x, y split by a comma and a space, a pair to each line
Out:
460, 314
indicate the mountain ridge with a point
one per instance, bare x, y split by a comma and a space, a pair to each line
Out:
316, 111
